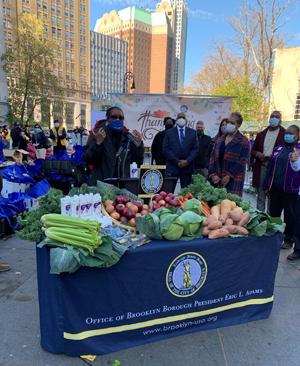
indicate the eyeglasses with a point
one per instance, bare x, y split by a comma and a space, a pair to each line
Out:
121, 118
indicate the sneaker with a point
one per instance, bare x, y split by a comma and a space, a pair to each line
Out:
293, 256
287, 244
4, 267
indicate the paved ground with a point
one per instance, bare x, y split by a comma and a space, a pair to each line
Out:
272, 342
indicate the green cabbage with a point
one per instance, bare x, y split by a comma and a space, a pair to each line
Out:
193, 205
149, 226
171, 227
192, 224
161, 212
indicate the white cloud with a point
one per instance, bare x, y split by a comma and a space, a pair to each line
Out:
200, 14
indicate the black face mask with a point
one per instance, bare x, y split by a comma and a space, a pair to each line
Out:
168, 127
200, 132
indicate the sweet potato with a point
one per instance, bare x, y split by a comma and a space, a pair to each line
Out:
215, 225
210, 220
236, 214
233, 229
242, 231
229, 221
215, 211
206, 231
245, 219
233, 205
225, 208
218, 233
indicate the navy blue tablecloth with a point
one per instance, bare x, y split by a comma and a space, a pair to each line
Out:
161, 290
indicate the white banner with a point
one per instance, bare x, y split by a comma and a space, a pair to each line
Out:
146, 113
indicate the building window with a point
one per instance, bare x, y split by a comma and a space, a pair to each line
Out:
297, 108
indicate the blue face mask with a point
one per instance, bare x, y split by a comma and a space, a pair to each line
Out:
230, 128
289, 138
274, 122
116, 124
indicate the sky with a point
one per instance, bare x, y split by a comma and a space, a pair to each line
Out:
208, 24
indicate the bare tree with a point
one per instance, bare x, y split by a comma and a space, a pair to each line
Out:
258, 31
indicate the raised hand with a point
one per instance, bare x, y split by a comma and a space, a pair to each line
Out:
100, 136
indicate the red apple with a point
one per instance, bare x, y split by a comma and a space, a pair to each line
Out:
120, 208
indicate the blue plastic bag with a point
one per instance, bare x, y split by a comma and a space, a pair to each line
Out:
39, 189
78, 156
18, 174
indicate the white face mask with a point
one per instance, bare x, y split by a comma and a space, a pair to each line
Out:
230, 128
181, 122
56, 125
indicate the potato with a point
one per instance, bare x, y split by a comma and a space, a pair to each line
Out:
236, 214
206, 231
245, 219
210, 220
215, 225
229, 222
218, 233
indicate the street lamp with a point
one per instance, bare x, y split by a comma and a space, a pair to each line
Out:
128, 76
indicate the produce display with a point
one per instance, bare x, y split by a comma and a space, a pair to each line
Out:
30, 222
77, 242
72, 231
125, 211
209, 212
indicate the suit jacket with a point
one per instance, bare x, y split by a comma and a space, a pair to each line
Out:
236, 157
258, 146
157, 148
174, 151
203, 153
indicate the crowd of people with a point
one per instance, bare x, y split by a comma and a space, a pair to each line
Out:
111, 147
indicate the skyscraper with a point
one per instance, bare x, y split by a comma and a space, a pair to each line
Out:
150, 46
176, 10
108, 65
67, 22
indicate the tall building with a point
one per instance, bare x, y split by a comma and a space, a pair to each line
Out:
176, 10
150, 40
285, 87
67, 22
108, 64
3, 82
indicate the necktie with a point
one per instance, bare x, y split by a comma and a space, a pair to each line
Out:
181, 135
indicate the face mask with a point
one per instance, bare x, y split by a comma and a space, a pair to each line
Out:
167, 127
223, 129
230, 128
289, 138
56, 125
116, 124
181, 122
274, 122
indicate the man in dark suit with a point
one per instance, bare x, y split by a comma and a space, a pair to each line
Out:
157, 144
181, 149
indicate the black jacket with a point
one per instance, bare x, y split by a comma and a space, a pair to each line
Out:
15, 135
104, 160
202, 159
40, 139
157, 148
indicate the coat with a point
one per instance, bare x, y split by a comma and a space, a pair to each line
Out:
291, 178
258, 146
104, 160
174, 151
236, 157
202, 159
157, 148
